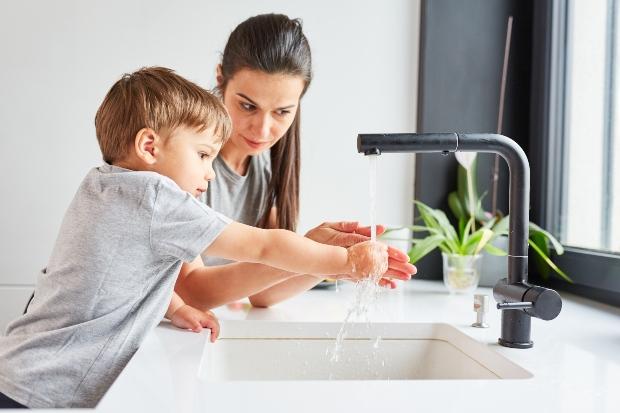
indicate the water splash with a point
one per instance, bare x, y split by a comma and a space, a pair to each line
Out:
366, 290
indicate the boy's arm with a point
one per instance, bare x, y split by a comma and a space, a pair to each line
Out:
209, 287
291, 252
176, 303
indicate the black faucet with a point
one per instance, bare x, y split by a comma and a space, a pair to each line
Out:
518, 300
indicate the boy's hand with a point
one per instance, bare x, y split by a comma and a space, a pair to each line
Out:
346, 234
190, 318
367, 258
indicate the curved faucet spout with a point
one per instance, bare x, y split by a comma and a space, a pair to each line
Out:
516, 322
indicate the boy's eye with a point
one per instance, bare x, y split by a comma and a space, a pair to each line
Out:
203, 156
283, 112
248, 106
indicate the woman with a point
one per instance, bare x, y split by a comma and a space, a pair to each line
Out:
266, 68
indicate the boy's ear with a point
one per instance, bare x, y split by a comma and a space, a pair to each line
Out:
219, 77
146, 145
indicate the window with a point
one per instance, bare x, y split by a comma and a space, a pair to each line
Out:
577, 155
591, 208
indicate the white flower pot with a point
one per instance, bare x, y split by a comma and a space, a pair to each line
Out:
461, 273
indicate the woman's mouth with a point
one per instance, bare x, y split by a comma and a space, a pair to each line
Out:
255, 145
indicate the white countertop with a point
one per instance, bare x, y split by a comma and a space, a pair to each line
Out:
575, 362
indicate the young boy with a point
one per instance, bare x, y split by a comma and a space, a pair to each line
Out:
131, 225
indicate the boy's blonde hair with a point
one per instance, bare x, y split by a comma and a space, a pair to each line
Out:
156, 98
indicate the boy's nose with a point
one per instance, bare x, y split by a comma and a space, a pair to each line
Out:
210, 174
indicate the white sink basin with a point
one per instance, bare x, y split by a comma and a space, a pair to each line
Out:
251, 351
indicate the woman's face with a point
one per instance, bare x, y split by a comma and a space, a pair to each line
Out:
262, 107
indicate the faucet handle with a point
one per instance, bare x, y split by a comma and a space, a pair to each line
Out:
515, 306
545, 303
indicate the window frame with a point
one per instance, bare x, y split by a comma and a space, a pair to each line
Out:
596, 274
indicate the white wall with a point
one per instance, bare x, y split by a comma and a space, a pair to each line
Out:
59, 58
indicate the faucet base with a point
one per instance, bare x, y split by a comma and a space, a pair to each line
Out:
510, 344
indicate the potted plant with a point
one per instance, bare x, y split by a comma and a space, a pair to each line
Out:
465, 245
460, 247
465, 206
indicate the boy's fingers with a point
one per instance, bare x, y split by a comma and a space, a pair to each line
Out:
209, 321
215, 332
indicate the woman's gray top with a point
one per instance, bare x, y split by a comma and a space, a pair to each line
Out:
241, 198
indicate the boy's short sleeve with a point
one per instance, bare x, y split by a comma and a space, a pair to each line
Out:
181, 226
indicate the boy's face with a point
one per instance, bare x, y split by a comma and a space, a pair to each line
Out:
187, 157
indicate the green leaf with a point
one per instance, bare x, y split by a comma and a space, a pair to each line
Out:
437, 219
549, 262
493, 250
422, 228
456, 206
541, 242
442, 219
476, 242
427, 216
486, 236
428, 244
466, 232
462, 226
388, 230
559, 249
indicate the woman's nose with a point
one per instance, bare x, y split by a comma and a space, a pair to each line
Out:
262, 127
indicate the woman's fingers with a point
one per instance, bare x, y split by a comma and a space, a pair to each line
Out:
366, 230
400, 270
397, 275
387, 283
342, 226
348, 240
397, 254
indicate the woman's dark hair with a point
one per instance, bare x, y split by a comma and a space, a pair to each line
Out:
274, 44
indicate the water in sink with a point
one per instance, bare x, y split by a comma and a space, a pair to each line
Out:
267, 351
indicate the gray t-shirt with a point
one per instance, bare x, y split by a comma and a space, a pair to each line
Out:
242, 198
107, 284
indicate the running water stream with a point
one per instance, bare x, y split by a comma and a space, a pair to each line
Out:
367, 290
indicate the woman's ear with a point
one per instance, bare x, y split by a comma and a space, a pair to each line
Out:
219, 77
146, 145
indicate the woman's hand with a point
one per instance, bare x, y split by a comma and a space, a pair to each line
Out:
346, 234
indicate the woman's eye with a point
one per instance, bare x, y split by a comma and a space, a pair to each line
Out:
283, 112
247, 106
203, 156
